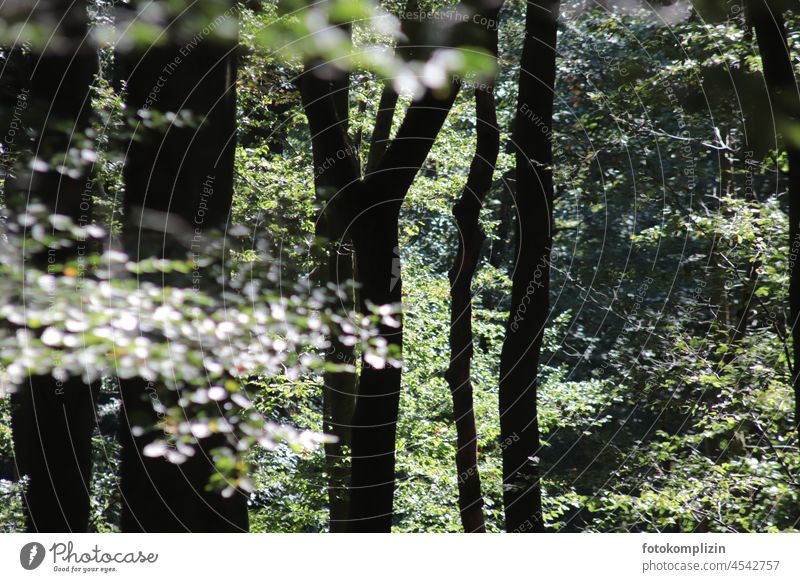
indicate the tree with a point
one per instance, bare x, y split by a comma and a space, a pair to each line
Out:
53, 419
471, 237
533, 199
339, 389
366, 210
766, 18
178, 179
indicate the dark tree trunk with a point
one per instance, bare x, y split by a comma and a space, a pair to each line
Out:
367, 212
767, 20
519, 361
382, 128
335, 163
52, 420
377, 201
467, 213
52, 424
339, 399
179, 182
374, 421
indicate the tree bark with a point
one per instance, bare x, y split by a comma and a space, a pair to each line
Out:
367, 212
375, 233
519, 361
471, 237
53, 421
382, 128
178, 179
767, 19
335, 162
339, 398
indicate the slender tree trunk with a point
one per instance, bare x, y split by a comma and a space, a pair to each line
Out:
519, 361
178, 179
471, 237
52, 421
767, 20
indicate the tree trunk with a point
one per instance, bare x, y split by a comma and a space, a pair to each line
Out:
375, 232
178, 179
519, 360
767, 20
367, 211
374, 423
339, 399
382, 128
335, 163
471, 237
53, 421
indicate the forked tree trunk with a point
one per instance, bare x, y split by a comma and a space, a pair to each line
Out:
377, 201
367, 212
178, 178
53, 421
519, 360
